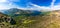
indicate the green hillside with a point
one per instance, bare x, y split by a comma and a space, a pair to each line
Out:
50, 19
20, 21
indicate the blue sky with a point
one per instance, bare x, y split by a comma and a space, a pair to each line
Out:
30, 4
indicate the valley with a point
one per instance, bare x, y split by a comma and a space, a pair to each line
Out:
16, 18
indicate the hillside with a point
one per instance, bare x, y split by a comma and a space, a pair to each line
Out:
51, 20
6, 21
19, 19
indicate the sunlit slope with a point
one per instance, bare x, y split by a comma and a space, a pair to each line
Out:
51, 20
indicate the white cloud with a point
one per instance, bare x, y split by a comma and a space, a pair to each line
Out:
3, 0
52, 4
57, 7
6, 4
37, 7
14, 0
43, 8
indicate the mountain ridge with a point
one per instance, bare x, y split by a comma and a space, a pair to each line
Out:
22, 12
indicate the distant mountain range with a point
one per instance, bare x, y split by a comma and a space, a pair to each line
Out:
16, 12
29, 18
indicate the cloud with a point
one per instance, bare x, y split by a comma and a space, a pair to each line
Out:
32, 6
3, 1
7, 4
14, 0
52, 4
57, 7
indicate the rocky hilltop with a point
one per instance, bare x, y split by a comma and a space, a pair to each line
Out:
5, 20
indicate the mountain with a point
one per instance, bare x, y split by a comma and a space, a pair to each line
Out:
35, 19
16, 12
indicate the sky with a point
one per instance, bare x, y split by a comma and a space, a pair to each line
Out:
30, 4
